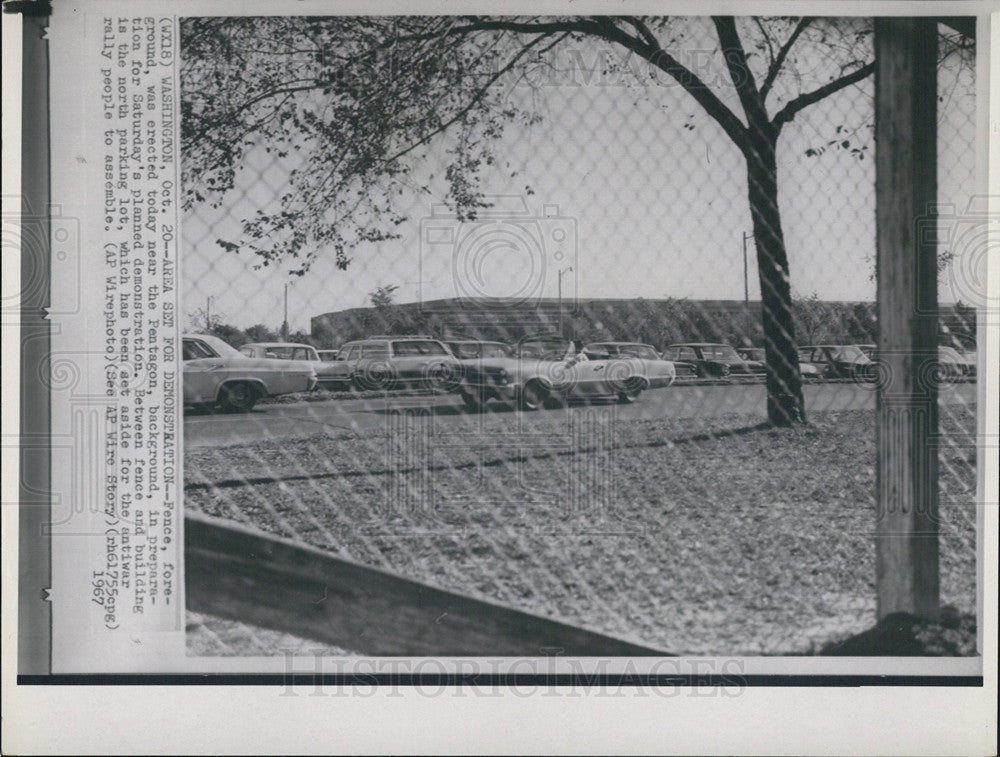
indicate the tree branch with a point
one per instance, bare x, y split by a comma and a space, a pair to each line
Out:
684, 76
791, 108
775, 67
477, 96
642, 29
742, 78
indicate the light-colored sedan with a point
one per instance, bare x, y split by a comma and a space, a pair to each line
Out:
549, 370
658, 371
217, 374
327, 375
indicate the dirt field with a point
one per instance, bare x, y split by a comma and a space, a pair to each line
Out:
710, 536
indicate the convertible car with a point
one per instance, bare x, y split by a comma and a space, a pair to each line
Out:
548, 370
660, 372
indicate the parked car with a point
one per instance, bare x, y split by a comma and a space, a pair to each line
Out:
808, 371
755, 358
840, 361
956, 365
751, 353
325, 375
398, 362
713, 360
472, 349
218, 374
549, 369
660, 372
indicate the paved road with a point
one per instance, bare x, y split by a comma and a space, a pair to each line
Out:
302, 419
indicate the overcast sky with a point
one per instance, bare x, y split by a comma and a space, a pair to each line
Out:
648, 193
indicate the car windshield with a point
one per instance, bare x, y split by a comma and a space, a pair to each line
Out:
467, 350
464, 350
544, 350
643, 351
719, 352
849, 353
196, 349
416, 347
289, 352
205, 345
496, 349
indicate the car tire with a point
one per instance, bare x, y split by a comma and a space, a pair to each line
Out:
474, 401
631, 392
532, 396
555, 402
238, 397
442, 379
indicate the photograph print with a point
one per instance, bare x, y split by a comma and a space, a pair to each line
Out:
597, 334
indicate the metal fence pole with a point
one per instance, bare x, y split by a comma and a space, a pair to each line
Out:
906, 191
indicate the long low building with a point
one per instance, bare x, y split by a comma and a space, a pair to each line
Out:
654, 321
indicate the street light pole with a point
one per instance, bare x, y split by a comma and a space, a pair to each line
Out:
284, 323
746, 281
559, 279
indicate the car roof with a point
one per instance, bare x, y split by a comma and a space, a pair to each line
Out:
384, 339
278, 344
624, 344
701, 344
394, 337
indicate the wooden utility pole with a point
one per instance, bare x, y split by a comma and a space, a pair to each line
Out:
906, 192
747, 235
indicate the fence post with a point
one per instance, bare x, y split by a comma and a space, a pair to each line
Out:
34, 550
906, 191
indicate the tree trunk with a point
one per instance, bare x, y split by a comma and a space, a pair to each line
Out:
785, 405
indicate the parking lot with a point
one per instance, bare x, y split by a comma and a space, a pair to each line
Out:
300, 419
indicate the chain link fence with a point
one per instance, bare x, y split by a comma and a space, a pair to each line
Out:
555, 186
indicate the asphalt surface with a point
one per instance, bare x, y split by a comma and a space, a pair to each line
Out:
304, 419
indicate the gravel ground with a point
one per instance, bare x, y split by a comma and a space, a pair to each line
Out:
713, 536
